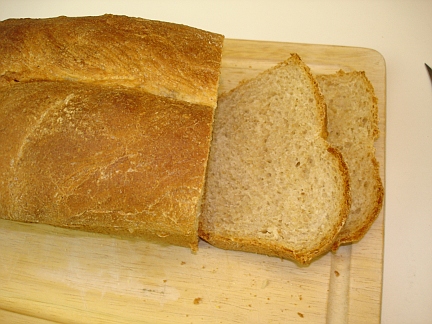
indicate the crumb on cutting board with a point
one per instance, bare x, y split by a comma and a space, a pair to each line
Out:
197, 300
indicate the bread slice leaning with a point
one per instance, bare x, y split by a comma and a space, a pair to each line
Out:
353, 128
274, 185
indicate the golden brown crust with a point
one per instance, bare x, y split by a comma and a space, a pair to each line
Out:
83, 151
104, 159
162, 58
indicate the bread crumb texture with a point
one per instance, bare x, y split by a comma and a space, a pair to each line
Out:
352, 110
274, 185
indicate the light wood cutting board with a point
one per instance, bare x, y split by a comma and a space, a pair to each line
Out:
55, 275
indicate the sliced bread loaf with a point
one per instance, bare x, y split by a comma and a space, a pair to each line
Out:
353, 128
106, 124
274, 184
103, 159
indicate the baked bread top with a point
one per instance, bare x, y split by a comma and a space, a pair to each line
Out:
162, 58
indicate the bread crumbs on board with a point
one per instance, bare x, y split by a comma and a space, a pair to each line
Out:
197, 300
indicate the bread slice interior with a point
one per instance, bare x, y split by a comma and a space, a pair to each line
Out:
352, 112
274, 184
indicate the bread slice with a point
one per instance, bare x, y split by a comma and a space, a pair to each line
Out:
162, 58
353, 128
112, 160
274, 185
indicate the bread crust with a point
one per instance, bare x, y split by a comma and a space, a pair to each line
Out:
107, 124
162, 58
103, 159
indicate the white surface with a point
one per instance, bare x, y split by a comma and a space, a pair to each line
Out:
402, 32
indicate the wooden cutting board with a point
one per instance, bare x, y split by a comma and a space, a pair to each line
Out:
55, 275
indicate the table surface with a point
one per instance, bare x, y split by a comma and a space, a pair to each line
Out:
400, 31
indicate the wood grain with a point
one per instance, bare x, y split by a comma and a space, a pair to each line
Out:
55, 275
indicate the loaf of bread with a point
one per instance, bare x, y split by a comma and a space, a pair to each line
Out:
162, 58
106, 124
103, 159
353, 128
274, 184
